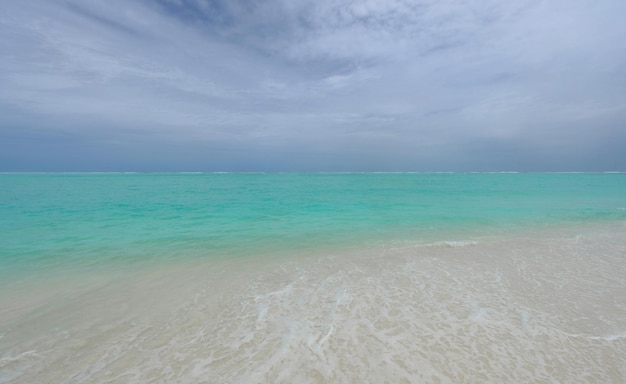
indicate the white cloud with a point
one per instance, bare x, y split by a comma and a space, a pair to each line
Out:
367, 73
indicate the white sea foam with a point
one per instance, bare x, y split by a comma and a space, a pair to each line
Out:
457, 244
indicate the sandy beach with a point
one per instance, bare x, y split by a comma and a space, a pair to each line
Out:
542, 307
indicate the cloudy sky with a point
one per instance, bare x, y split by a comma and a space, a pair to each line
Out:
312, 85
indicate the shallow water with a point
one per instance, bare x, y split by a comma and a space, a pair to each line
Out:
546, 307
73, 221
312, 279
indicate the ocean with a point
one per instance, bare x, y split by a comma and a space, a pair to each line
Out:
313, 278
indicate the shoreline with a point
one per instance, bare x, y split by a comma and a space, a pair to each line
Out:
397, 311
138, 259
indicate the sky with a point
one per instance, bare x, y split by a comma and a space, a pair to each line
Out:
312, 85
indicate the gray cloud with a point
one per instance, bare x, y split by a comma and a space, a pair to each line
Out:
312, 85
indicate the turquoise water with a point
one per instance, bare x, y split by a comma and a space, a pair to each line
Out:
86, 220
316, 278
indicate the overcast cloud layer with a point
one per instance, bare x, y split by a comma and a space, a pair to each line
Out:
312, 85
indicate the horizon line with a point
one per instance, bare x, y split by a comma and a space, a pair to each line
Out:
299, 172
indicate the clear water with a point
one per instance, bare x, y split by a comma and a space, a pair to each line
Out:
51, 220
312, 278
